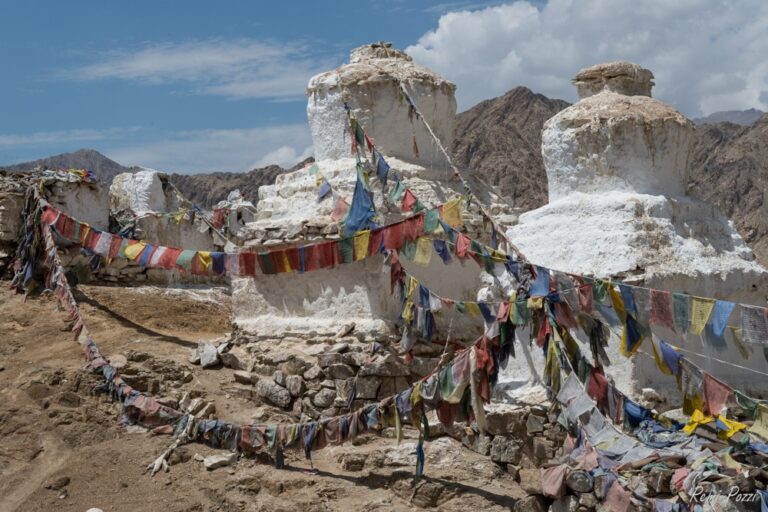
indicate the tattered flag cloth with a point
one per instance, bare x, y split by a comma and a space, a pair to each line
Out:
700, 311
670, 357
716, 394
451, 212
442, 250
325, 190
681, 309
340, 209
661, 309
361, 212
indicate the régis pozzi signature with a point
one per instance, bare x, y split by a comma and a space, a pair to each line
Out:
700, 496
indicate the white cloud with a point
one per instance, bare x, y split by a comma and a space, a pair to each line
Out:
285, 156
218, 150
63, 136
239, 68
707, 55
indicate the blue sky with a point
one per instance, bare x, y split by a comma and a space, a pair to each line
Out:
199, 86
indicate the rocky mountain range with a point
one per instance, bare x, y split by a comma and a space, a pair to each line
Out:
104, 168
742, 117
208, 189
500, 139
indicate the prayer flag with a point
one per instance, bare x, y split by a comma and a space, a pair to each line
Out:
661, 309
720, 315
452, 212
339, 210
396, 194
423, 251
754, 326
716, 395
325, 189
361, 212
442, 250
431, 218
133, 251
409, 201
681, 309
540, 286
361, 244
700, 311
462, 245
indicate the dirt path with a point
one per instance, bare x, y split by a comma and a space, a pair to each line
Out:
54, 429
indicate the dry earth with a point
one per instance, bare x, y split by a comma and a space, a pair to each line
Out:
62, 446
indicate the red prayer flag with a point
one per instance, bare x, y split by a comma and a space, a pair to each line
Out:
409, 201
374, 243
716, 394
413, 227
167, 260
339, 210
661, 309
247, 264
393, 236
462, 245
49, 216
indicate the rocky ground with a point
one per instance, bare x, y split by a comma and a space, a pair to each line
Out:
63, 446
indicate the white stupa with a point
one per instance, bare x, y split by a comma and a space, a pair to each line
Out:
319, 303
617, 163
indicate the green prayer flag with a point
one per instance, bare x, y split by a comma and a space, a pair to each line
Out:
396, 194
409, 250
681, 311
347, 249
519, 312
431, 220
266, 263
184, 259
461, 307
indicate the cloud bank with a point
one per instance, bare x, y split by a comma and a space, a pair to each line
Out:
235, 69
707, 55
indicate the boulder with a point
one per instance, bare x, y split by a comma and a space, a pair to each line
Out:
506, 421
339, 371
530, 481
279, 378
219, 461
275, 394
315, 372
209, 356
327, 359
324, 398
243, 377
368, 387
505, 450
533, 503
580, 481
534, 424
353, 461
295, 385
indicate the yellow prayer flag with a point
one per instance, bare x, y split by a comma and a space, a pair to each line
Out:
408, 311
662, 366
617, 301
411, 284
696, 420
361, 244
452, 212
178, 216
760, 426
286, 262
733, 427
134, 250
205, 259
700, 311
473, 309
535, 302
423, 251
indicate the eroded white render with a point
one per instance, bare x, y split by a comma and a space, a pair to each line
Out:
289, 214
617, 163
